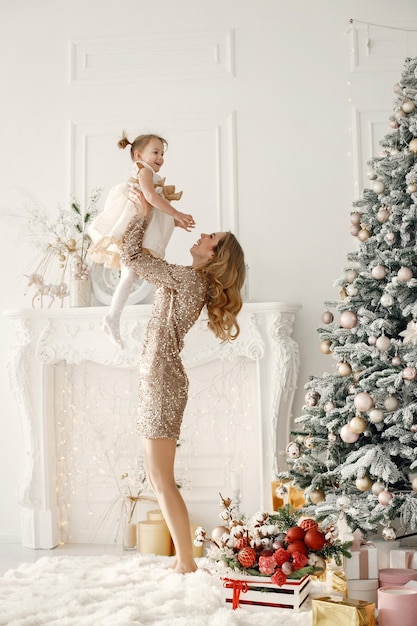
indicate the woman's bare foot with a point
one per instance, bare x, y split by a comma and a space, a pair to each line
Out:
186, 568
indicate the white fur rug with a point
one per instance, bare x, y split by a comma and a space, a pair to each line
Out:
125, 590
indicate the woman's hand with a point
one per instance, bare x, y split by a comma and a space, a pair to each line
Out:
138, 199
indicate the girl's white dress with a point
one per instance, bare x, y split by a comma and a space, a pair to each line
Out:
108, 228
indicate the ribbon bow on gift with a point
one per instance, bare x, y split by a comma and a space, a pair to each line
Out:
238, 587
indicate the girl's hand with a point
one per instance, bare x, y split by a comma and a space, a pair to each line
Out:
138, 199
182, 220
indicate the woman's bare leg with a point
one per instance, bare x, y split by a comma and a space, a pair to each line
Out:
159, 461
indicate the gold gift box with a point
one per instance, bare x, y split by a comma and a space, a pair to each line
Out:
330, 611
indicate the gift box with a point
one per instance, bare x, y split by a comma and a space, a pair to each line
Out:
396, 576
363, 589
404, 557
363, 564
384, 549
329, 611
397, 605
261, 591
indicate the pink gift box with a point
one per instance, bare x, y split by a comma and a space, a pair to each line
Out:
404, 557
363, 563
396, 576
261, 591
397, 605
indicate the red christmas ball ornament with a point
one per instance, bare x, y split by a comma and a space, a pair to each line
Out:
384, 497
297, 546
348, 319
247, 556
315, 539
295, 533
363, 401
308, 523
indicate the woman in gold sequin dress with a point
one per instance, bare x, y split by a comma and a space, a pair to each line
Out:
214, 280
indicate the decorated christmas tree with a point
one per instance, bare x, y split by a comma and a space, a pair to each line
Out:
354, 449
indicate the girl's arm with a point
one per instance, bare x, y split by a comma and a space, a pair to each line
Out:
146, 183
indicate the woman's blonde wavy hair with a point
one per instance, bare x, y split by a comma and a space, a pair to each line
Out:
226, 275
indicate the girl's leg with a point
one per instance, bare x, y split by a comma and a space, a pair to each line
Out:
111, 322
159, 461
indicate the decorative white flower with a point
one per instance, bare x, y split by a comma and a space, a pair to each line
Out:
410, 333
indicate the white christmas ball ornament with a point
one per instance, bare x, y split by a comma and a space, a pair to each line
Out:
379, 272
331, 437
412, 188
384, 497
387, 300
408, 106
388, 534
371, 175
399, 114
363, 401
351, 290
391, 403
372, 340
404, 274
383, 343
383, 215
351, 275
344, 369
377, 488
218, 532
312, 398
396, 361
309, 442
378, 186
397, 88
344, 502
364, 483
363, 234
412, 146
347, 435
390, 237
348, 319
376, 416
357, 424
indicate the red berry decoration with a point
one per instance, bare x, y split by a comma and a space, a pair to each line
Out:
315, 539
308, 524
241, 543
296, 533
247, 556
279, 578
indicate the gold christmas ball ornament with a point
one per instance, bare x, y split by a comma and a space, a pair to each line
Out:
71, 244
409, 373
399, 114
348, 319
325, 346
344, 369
414, 484
376, 416
218, 532
357, 424
378, 186
364, 483
316, 496
408, 106
363, 234
412, 146
327, 317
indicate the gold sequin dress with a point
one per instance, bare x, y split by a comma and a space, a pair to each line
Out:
179, 298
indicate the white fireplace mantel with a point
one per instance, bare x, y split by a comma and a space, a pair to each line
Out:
45, 337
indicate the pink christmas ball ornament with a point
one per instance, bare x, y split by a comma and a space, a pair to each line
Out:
379, 272
383, 343
347, 435
383, 215
363, 401
384, 497
405, 274
327, 317
348, 319
409, 373
378, 186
